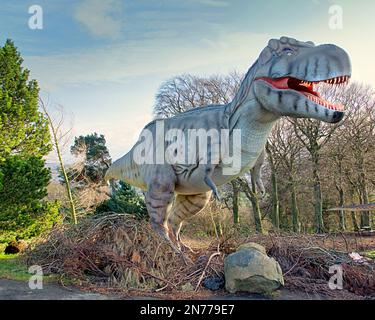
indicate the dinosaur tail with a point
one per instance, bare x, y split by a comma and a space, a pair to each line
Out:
124, 169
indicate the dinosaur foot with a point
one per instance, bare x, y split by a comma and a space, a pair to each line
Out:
172, 242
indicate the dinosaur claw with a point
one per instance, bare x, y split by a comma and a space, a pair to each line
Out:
213, 187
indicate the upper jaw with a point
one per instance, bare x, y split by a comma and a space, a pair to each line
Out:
306, 88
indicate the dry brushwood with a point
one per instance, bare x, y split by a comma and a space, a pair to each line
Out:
122, 251
125, 253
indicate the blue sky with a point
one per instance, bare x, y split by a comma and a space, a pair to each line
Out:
103, 60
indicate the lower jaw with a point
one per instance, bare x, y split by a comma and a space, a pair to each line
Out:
323, 103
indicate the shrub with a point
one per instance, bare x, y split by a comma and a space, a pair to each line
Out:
124, 199
23, 212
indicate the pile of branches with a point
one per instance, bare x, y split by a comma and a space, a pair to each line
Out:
120, 251
306, 266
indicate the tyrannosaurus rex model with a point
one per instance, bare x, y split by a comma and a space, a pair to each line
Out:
179, 174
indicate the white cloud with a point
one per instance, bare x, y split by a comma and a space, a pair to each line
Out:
100, 17
116, 63
150, 57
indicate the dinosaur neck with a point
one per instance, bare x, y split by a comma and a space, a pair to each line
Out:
252, 119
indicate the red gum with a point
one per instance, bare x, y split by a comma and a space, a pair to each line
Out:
282, 84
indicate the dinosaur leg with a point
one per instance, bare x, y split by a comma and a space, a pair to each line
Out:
159, 198
256, 173
184, 207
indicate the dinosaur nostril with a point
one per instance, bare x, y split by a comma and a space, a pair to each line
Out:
337, 116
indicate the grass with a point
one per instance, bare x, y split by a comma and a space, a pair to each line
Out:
12, 268
370, 254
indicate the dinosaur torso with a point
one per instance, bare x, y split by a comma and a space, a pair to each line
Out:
189, 176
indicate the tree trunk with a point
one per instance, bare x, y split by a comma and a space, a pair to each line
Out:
62, 166
365, 215
275, 192
352, 213
257, 215
318, 206
341, 212
275, 202
256, 208
236, 218
251, 194
295, 211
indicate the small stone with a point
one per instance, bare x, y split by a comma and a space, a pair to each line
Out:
187, 287
214, 283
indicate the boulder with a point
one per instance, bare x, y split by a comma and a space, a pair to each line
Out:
249, 269
252, 245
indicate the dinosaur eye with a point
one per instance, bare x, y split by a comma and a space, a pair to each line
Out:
288, 51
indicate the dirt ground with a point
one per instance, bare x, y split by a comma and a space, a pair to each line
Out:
19, 290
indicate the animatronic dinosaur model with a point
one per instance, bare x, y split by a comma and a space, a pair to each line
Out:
280, 83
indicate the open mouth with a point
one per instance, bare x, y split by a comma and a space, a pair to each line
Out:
307, 89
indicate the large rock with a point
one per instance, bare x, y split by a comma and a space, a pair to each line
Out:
249, 269
252, 245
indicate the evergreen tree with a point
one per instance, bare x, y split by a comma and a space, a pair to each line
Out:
124, 199
96, 157
24, 140
23, 129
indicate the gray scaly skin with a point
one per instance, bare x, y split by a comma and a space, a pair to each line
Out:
278, 84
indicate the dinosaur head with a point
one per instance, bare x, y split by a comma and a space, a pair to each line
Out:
288, 72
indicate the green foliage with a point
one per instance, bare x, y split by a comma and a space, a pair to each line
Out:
32, 223
25, 181
124, 199
23, 129
22, 211
24, 140
13, 267
96, 155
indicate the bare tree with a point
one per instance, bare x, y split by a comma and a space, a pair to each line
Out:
248, 187
285, 147
187, 92
58, 136
359, 139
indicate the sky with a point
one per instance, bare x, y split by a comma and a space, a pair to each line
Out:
104, 60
